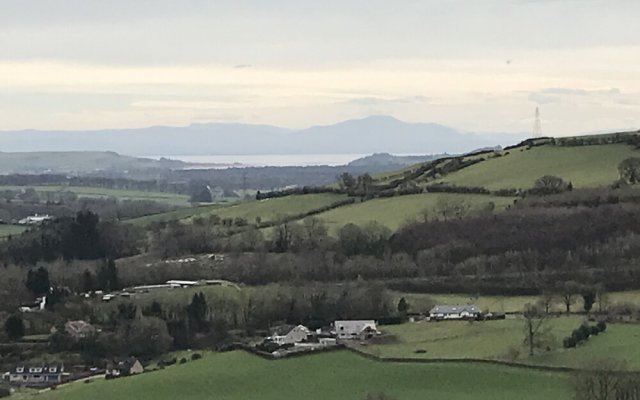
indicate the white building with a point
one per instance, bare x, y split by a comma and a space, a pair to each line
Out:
454, 312
289, 334
35, 219
357, 329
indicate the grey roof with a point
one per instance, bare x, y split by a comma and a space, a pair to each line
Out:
454, 309
123, 365
281, 330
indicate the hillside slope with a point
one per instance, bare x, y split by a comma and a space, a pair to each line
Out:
337, 376
584, 166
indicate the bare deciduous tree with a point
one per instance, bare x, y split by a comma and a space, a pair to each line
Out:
535, 334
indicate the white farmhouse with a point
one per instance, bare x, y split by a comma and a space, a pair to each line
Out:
356, 329
289, 334
454, 312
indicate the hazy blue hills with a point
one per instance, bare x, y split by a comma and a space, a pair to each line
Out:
363, 136
78, 162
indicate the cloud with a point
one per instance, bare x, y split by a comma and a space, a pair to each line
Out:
380, 101
242, 66
561, 94
579, 92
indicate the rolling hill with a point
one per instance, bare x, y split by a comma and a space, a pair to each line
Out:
517, 168
584, 166
71, 162
337, 375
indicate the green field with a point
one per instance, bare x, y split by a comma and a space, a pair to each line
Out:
584, 166
461, 339
337, 376
87, 191
10, 230
274, 209
393, 212
497, 340
419, 302
177, 215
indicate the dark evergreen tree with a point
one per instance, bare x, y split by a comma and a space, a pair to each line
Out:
88, 281
197, 312
108, 276
14, 327
38, 281
403, 306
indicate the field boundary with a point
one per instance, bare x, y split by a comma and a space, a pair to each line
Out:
543, 368
372, 357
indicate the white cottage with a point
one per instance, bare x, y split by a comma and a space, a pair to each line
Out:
289, 334
454, 312
355, 329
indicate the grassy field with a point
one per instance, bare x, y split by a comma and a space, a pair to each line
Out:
585, 166
460, 339
395, 211
498, 339
419, 302
273, 209
337, 376
181, 214
10, 230
86, 191
267, 210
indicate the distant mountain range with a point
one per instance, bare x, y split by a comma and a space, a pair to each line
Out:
363, 136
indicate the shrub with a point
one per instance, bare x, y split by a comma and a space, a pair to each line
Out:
196, 356
569, 342
585, 331
594, 330
5, 392
183, 360
602, 326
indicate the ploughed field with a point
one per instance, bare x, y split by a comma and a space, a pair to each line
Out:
338, 375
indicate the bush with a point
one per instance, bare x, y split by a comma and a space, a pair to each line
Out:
183, 360
602, 326
569, 342
196, 356
5, 392
585, 331
594, 330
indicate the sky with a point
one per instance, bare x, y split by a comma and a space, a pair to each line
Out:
476, 65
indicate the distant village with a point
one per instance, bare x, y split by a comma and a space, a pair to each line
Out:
283, 340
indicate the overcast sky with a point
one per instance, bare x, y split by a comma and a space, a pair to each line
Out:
477, 65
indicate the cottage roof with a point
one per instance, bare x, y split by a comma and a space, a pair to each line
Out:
281, 330
455, 309
78, 327
123, 365
355, 325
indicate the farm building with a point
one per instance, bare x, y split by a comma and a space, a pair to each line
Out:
35, 375
130, 366
289, 334
35, 220
357, 329
454, 312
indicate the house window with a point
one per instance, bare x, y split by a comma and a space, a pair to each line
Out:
53, 369
20, 370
